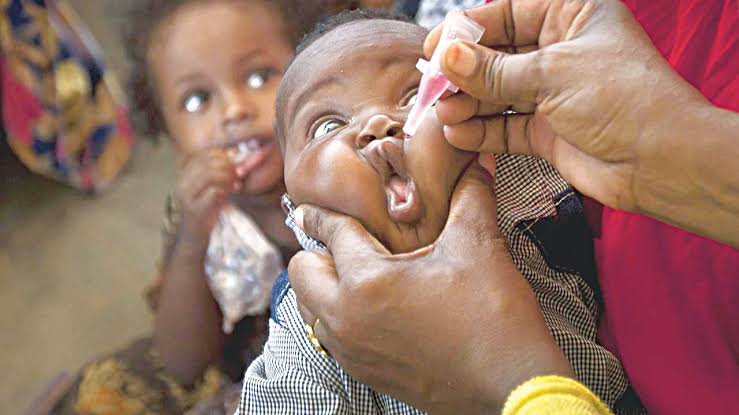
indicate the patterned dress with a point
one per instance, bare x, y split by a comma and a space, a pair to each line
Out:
132, 381
62, 111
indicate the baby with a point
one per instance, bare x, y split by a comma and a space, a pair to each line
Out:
341, 108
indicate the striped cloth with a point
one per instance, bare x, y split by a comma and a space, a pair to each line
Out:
292, 377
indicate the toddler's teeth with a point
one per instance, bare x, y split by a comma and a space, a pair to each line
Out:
253, 144
240, 152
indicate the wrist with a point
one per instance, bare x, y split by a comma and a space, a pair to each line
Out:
541, 394
689, 169
192, 240
531, 350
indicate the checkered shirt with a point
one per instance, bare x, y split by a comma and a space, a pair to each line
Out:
291, 377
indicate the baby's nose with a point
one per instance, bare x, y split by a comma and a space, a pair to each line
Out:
379, 126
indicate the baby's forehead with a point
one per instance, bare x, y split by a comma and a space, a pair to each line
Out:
353, 41
339, 51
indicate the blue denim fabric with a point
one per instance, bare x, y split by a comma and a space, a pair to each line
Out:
408, 7
279, 289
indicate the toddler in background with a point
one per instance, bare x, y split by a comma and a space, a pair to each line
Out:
206, 75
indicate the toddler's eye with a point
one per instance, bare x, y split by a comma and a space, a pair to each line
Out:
327, 127
259, 78
195, 101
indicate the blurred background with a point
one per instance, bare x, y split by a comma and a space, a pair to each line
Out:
73, 267
76, 254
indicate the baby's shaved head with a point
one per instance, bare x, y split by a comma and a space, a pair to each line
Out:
353, 29
341, 108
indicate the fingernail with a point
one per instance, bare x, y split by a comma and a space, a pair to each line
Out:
299, 217
461, 59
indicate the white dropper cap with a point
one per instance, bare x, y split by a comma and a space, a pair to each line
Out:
456, 27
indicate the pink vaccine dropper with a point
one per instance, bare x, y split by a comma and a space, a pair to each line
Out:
457, 26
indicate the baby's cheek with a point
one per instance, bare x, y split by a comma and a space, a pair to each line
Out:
335, 178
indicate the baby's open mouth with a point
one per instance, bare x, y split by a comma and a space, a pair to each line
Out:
403, 200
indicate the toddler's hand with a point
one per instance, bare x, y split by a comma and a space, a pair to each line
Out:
203, 185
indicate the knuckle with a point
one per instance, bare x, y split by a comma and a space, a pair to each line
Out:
344, 330
338, 226
297, 264
312, 220
493, 74
367, 288
540, 64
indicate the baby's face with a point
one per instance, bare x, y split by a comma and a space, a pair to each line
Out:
216, 66
342, 108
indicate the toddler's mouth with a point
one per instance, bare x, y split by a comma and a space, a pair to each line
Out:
404, 203
249, 153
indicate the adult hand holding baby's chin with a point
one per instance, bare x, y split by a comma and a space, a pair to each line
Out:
381, 316
596, 99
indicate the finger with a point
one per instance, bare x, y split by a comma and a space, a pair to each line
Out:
223, 180
517, 49
316, 284
494, 76
197, 176
314, 279
473, 211
211, 196
205, 164
587, 173
344, 236
497, 134
461, 107
504, 24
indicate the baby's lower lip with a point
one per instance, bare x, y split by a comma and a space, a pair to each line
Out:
403, 200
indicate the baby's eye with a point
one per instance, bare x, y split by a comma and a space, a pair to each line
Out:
259, 78
327, 127
195, 101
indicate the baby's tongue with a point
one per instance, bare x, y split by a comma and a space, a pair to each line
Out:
399, 187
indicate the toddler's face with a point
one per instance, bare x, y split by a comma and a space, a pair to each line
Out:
217, 65
342, 108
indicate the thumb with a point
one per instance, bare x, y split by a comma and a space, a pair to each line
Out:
493, 76
473, 210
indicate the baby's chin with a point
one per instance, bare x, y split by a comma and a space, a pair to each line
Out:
411, 238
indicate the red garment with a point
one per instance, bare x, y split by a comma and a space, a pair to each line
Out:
671, 297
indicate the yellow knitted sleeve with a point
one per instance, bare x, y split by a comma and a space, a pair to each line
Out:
554, 395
